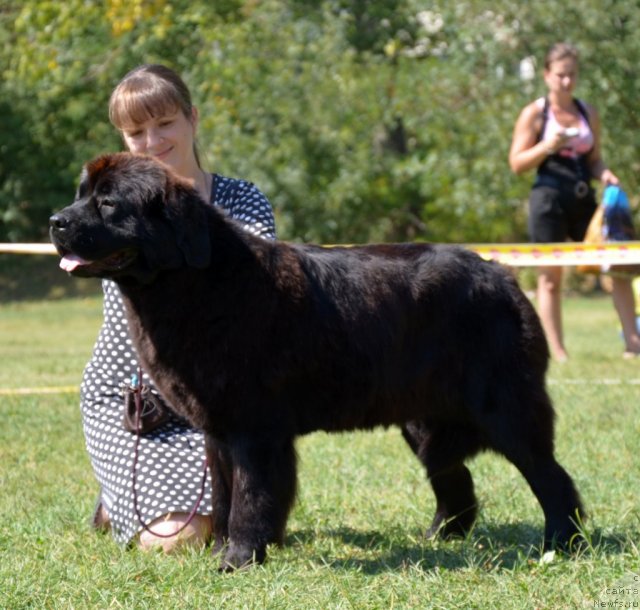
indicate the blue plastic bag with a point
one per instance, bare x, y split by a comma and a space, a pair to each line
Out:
612, 221
618, 224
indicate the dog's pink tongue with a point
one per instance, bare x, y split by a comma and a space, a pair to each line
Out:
71, 262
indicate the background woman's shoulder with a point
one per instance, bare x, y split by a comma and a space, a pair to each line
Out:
532, 115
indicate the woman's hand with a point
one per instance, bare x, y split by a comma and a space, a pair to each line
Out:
555, 142
608, 177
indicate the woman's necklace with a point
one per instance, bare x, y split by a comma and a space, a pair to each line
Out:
205, 189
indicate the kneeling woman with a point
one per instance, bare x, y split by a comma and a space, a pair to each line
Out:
152, 109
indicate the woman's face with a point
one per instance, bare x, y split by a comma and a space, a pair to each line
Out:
169, 138
561, 76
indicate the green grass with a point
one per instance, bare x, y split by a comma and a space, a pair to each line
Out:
355, 535
47, 343
39, 277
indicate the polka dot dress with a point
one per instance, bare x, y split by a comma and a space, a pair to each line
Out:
169, 470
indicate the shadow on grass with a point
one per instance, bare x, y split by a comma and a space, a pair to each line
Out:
489, 547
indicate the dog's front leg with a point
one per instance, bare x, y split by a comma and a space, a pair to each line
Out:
221, 469
263, 490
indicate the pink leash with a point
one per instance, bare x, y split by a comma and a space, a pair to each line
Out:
137, 385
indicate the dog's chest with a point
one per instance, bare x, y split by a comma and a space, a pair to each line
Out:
170, 349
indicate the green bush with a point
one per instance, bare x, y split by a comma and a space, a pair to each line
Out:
361, 121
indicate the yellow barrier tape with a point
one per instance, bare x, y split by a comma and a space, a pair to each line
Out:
564, 254
561, 254
69, 389
515, 255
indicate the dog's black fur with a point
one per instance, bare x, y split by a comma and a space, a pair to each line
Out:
258, 341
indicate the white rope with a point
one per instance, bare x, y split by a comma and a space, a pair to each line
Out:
27, 249
605, 381
565, 254
44, 390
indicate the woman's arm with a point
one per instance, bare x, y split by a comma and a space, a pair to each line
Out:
596, 164
526, 152
250, 206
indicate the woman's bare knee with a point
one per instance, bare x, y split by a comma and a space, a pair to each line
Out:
196, 534
550, 279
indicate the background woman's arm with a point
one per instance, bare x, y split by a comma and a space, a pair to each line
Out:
526, 152
596, 164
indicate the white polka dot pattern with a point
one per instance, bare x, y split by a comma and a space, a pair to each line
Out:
171, 459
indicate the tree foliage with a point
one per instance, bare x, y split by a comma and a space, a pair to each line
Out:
361, 120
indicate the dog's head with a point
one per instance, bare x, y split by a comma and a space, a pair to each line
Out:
132, 217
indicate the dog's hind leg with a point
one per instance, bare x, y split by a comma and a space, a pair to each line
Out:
264, 486
526, 440
442, 451
559, 500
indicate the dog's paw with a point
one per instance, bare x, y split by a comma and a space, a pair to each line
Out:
218, 546
572, 543
238, 557
568, 536
451, 528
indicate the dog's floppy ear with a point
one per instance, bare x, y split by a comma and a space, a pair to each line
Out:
186, 213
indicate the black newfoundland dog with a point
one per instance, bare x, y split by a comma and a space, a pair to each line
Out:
256, 342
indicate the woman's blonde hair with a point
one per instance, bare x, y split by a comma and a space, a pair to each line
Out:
150, 90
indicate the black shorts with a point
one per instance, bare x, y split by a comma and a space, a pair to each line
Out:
555, 214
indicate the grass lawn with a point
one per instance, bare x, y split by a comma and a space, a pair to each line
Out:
355, 534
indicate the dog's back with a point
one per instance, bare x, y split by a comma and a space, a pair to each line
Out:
391, 333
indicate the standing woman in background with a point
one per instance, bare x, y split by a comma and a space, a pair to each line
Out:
559, 136
151, 108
